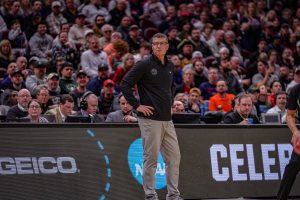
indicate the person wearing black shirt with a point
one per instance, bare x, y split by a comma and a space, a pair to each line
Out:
242, 114
154, 78
293, 167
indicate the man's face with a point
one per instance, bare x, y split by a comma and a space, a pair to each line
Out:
175, 60
281, 100
37, 6
276, 87
125, 106
53, 83
17, 79
194, 97
100, 21
188, 76
67, 108
82, 80
245, 106
43, 97
42, 29
67, 72
40, 72
221, 87
160, 46
235, 64
24, 98
173, 33
199, 67
187, 49
213, 75
63, 38
177, 107
125, 21
94, 45
21, 63
103, 74
92, 106
196, 35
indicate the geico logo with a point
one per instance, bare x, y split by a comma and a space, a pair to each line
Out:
274, 158
37, 165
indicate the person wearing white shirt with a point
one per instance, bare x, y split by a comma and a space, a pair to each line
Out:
280, 105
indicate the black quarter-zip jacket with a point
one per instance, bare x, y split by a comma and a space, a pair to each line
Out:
155, 86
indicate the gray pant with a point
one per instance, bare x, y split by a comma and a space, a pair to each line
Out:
160, 136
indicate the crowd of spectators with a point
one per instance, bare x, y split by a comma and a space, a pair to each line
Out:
67, 57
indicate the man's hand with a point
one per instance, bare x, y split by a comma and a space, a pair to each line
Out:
129, 119
146, 110
296, 141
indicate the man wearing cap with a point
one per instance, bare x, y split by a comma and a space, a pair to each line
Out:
133, 39
95, 85
66, 82
77, 30
15, 83
53, 87
41, 42
186, 48
106, 97
55, 19
93, 57
38, 77
82, 81
93, 9
154, 78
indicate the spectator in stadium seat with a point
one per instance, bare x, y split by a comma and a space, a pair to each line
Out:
17, 39
274, 88
188, 81
53, 88
55, 19
216, 43
221, 100
134, 39
6, 56
285, 76
194, 102
70, 12
155, 11
178, 107
77, 30
66, 82
242, 115
265, 75
280, 101
144, 52
13, 14
106, 31
89, 106
200, 45
201, 73
124, 115
41, 42
38, 77
287, 58
123, 68
109, 48
93, 9
106, 97
239, 72
184, 98
295, 81
63, 110
186, 48
34, 112
99, 22
42, 97
208, 88
123, 27
173, 40
233, 84
115, 59
95, 85
92, 58
82, 81
15, 82
118, 12
22, 65
21, 109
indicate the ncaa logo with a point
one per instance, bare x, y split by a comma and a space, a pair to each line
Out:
135, 162
154, 72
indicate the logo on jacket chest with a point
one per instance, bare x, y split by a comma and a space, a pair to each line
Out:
154, 72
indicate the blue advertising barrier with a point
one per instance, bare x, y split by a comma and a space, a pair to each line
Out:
104, 161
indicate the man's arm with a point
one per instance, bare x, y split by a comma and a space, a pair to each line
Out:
130, 79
